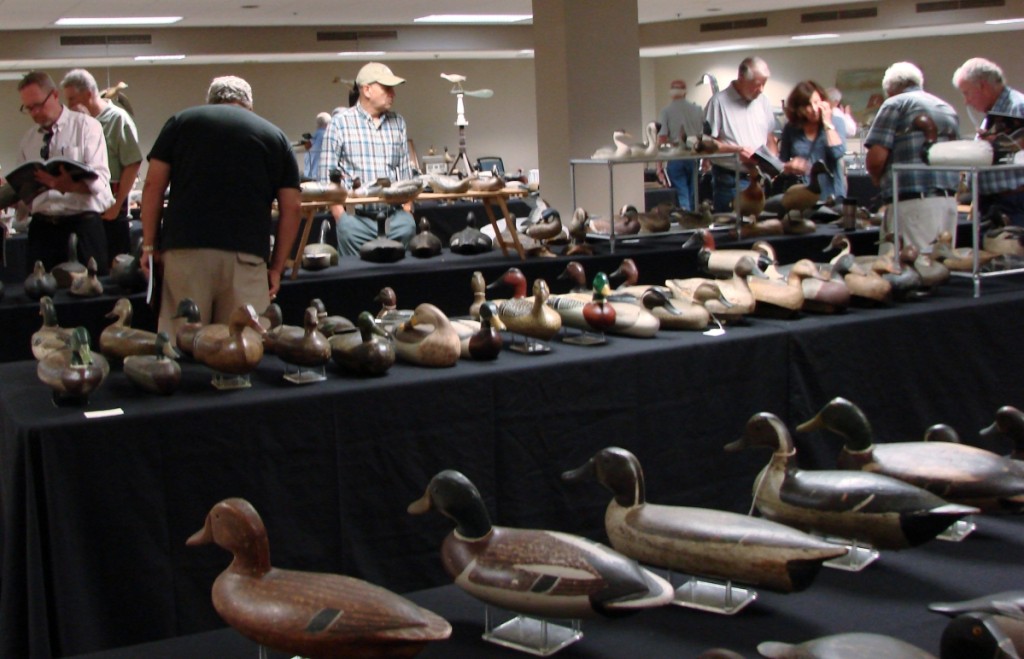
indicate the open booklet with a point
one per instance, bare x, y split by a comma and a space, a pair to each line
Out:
23, 177
768, 162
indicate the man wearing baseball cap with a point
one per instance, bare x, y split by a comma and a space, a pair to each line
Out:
679, 120
368, 141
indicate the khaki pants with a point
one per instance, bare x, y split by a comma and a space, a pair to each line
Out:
922, 220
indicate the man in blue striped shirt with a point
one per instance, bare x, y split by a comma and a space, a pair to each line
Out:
368, 141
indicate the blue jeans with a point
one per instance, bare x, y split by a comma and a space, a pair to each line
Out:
724, 181
680, 175
354, 230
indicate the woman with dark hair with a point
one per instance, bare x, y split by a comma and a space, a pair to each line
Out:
812, 134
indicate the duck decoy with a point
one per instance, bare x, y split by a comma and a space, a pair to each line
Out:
481, 339
331, 192
739, 300
1010, 422
701, 218
126, 272
1008, 240
598, 313
367, 350
681, 313
389, 315
629, 319
427, 338
185, 335
74, 372
701, 542
320, 254
119, 339
626, 224
981, 634
620, 151
309, 614
305, 347
805, 196
88, 284
235, 348
478, 285
956, 472
530, 316
658, 220
1009, 602
532, 571
795, 224
470, 240
40, 283
424, 244
543, 223
448, 184
750, 200
576, 273
50, 336
394, 193
382, 249
933, 273
783, 297
491, 183
328, 324
159, 372
578, 234
885, 512
842, 646
721, 262
63, 272
907, 283
866, 285
951, 152
958, 259
271, 317
753, 226
823, 292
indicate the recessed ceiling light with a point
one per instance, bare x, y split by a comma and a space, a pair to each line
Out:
811, 37
157, 58
1005, 21
473, 18
721, 49
117, 21
12, 75
360, 53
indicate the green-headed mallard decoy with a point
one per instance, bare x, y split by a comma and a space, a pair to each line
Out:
532, 571
307, 613
699, 541
185, 335
157, 373
305, 346
427, 338
849, 644
956, 472
885, 512
628, 320
368, 350
119, 339
73, 372
51, 336
235, 348
481, 339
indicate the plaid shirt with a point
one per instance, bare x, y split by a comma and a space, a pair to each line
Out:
1010, 102
363, 150
892, 129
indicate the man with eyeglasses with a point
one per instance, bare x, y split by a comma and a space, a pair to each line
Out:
66, 206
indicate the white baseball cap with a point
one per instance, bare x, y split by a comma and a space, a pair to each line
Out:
377, 72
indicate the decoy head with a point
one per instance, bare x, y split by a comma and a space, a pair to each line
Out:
615, 468
575, 273
711, 291
820, 167
477, 283
272, 316
234, 525
489, 316
765, 429
164, 346
387, 298
310, 318
628, 271
188, 309
578, 224
513, 277
702, 238
368, 327
839, 241
318, 304
48, 311
122, 311
745, 267
846, 420
78, 344
1010, 421
540, 290
454, 496
942, 432
601, 287
653, 298
246, 316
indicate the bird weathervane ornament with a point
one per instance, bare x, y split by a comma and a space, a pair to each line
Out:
460, 117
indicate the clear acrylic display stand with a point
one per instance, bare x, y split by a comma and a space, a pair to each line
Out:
580, 337
534, 636
227, 381
713, 596
958, 530
858, 556
305, 375
525, 345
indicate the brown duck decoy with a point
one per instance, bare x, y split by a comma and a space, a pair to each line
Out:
368, 350
626, 224
578, 234
74, 372
516, 569
956, 472
158, 373
185, 335
576, 273
750, 200
544, 223
478, 285
271, 317
958, 259
390, 316
310, 614
302, 346
64, 272
885, 512
235, 348
783, 297
328, 324
51, 336
87, 285
481, 339
805, 196
119, 339
849, 644
424, 244
427, 338
709, 543
529, 316
983, 634
40, 283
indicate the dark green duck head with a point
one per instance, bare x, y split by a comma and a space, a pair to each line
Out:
844, 419
454, 496
767, 430
618, 470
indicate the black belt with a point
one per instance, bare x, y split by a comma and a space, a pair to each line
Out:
1002, 193
927, 194
61, 219
719, 170
370, 211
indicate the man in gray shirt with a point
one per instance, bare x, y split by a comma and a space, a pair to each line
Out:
679, 120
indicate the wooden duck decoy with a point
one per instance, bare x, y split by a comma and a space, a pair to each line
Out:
74, 372
783, 297
185, 335
750, 200
823, 293
305, 347
740, 300
629, 319
87, 285
620, 150
51, 336
680, 313
701, 218
907, 283
721, 262
578, 234
933, 273
598, 313
271, 317
394, 193
1009, 602
389, 315
983, 634
424, 244
577, 274
544, 223
481, 339
886, 512
795, 224
125, 270
119, 339
867, 287
839, 646
530, 316
532, 571
367, 350
626, 224
958, 259
478, 285
307, 613
1010, 422
320, 254
805, 196
700, 541
448, 184
956, 472
427, 338
157, 373
1007, 240
382, 249
40, 283
327, 324
470, 240
64, 272
235, 348
657, 221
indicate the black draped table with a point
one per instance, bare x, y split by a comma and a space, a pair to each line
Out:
96, 510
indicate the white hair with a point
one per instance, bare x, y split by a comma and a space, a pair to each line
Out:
322, 119
753, 66
834, 95
229, 89
81, 80
901, 76
978, 69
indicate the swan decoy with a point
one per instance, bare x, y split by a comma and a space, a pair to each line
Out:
88, 284
848, 644
722, 262
703, 542
305, 346
424, 244
185, 335
481, 339
956, 472
886, 512
368, 350
235, 348
157, 373
427, 338
649, 147
620, 151
470, 240
50, 336
40, 283
119, 339
306, 613
532, 571
74, 372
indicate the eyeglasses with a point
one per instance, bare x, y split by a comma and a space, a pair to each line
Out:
29, 109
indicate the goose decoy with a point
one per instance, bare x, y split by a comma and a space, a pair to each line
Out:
382, 249
427, 338
235, 348
481, 339
739, 300
88, 284
64, 272
702, 542
578, 234
956, 472
159, 372
119, 339
328, 324
840, 646
885, 512
530, 316
305, 347
470, 240
74, 372
532, 571
40, 283
620, 151
805, 196
308, 614
982, 634
320, 254
424, 244
721, 262
629, 319
1010, 422
185, 335
367, 350
626, 224
51, 336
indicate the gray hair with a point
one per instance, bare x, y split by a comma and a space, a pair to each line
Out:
901, 76
322, 120
229, 89
752, 66
81, 80
834, 95
978, 69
